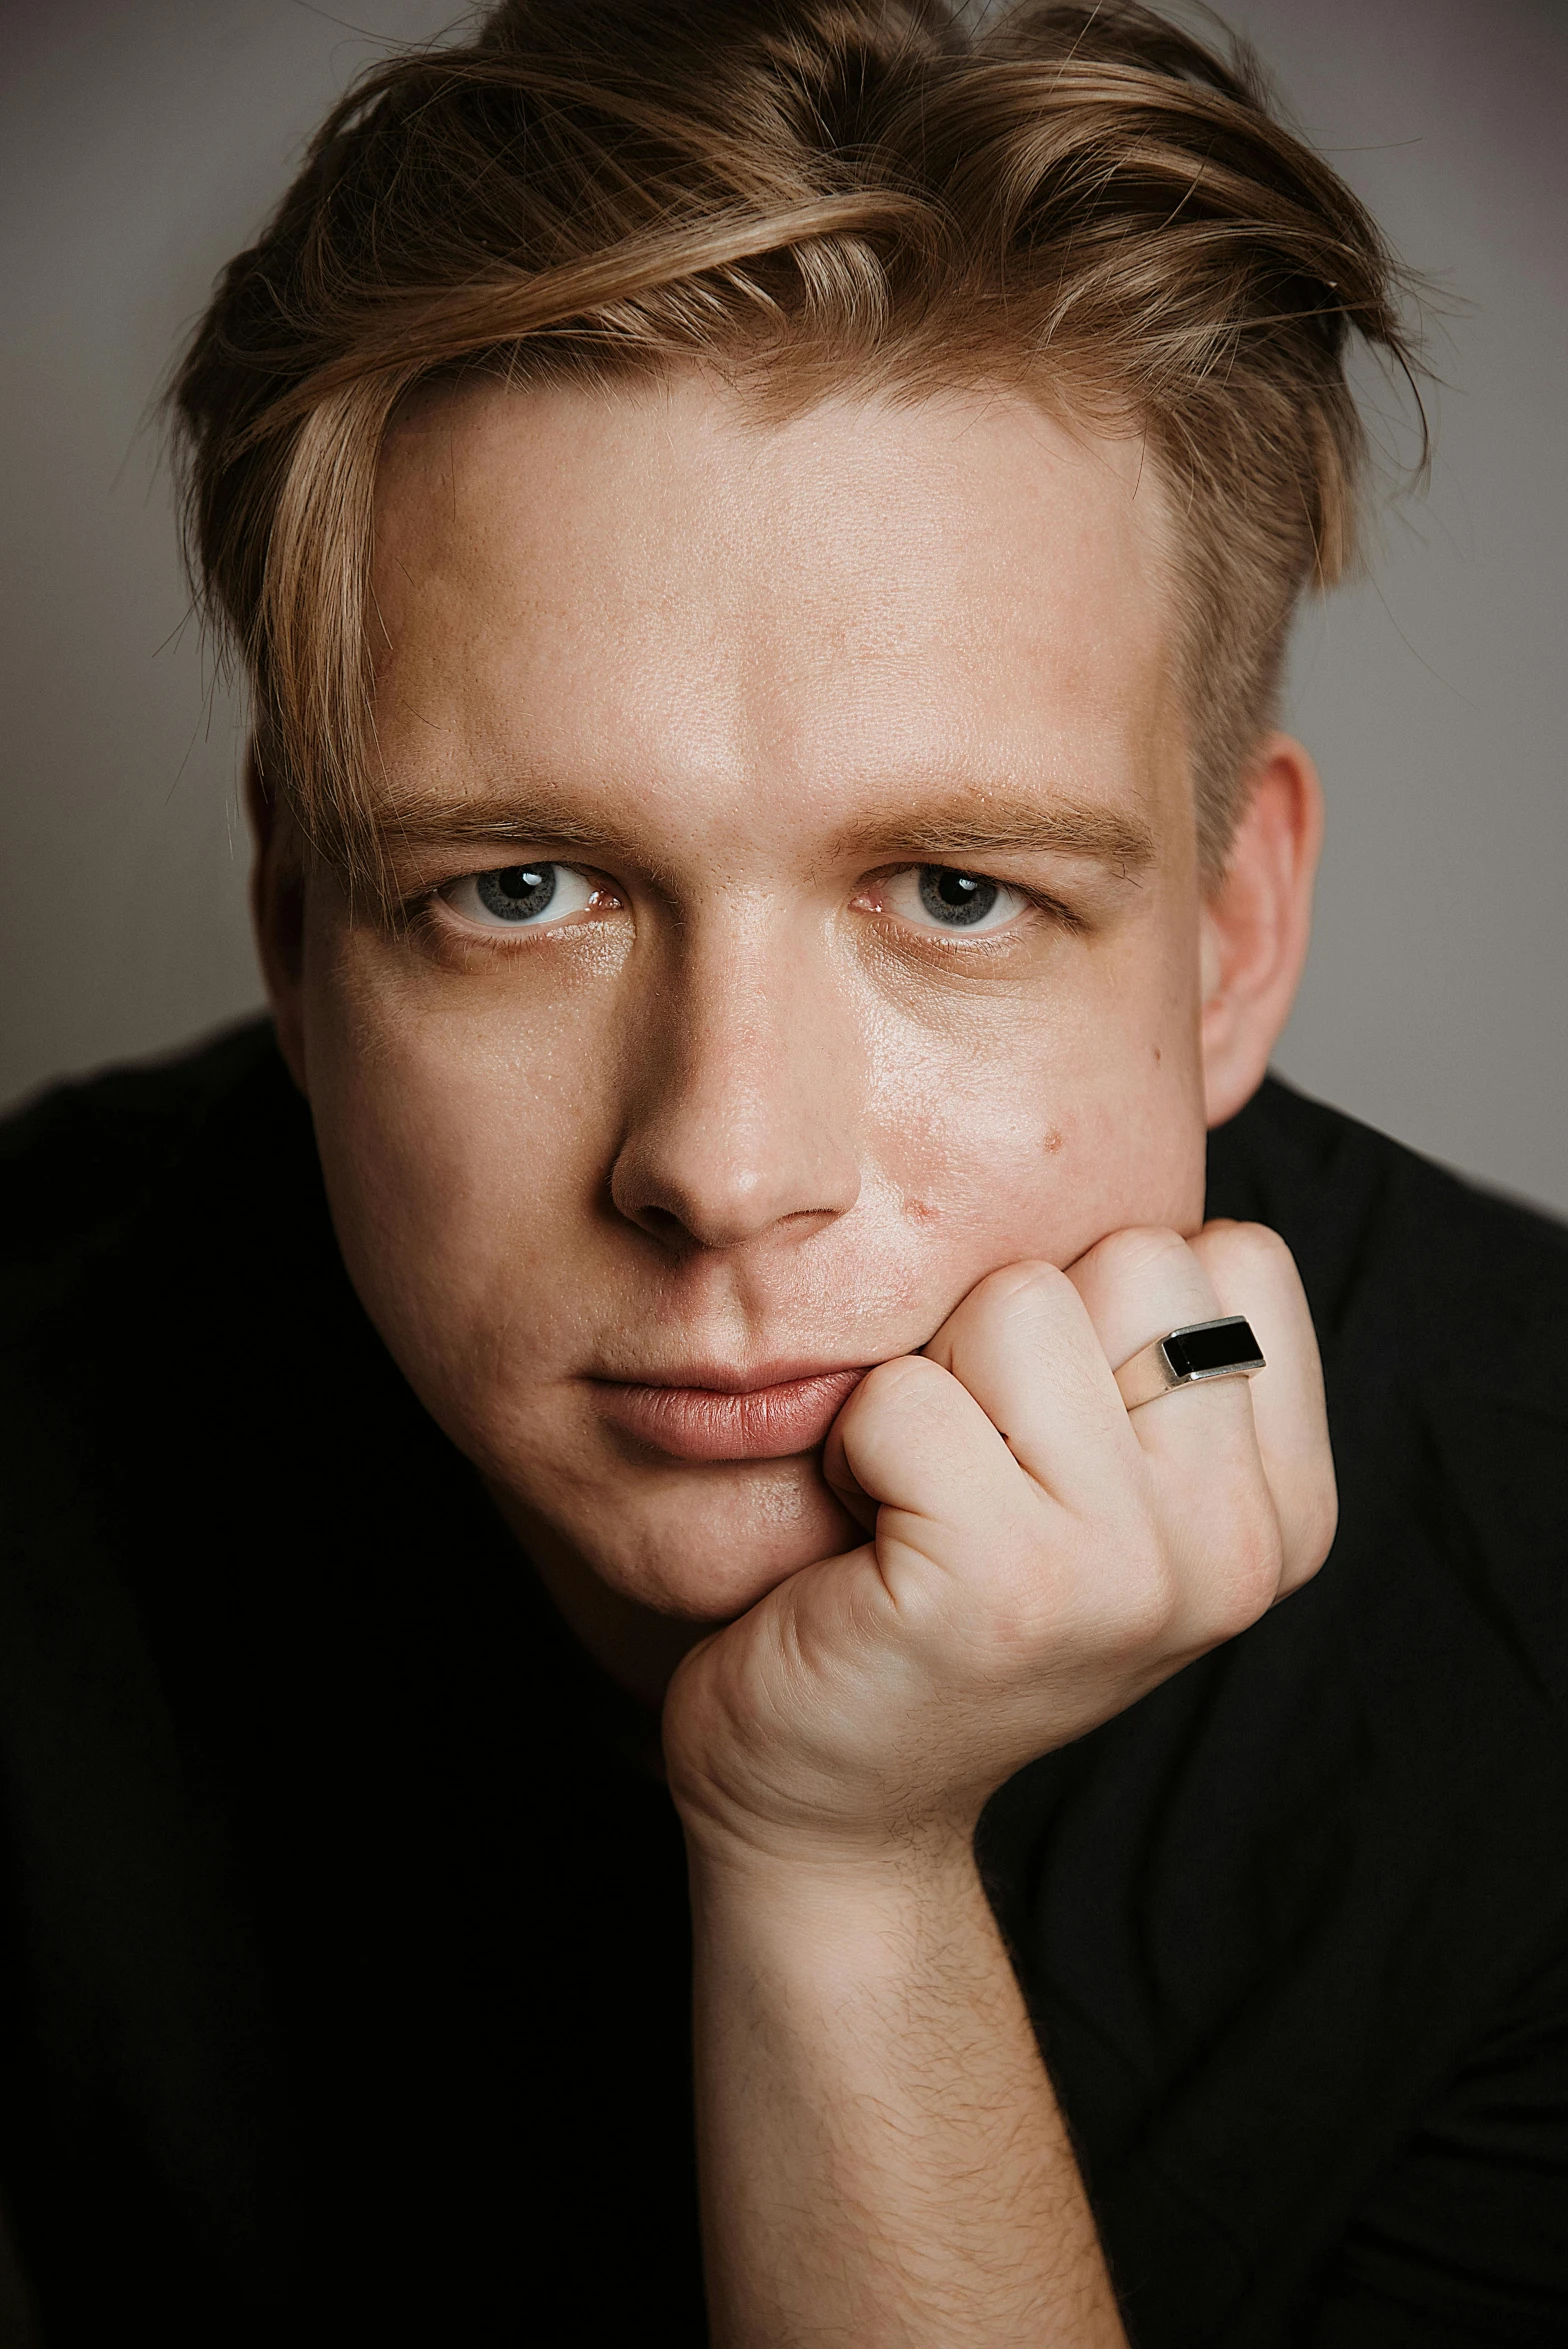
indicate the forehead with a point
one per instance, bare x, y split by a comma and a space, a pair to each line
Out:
656, 590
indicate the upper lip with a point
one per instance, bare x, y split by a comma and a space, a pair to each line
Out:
723, 1379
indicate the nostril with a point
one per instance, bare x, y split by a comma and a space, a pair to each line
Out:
674, 1231
806, 1220
661, 1224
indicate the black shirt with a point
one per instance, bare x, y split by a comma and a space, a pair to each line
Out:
344, 1953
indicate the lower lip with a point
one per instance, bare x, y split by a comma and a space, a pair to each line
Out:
700, 1423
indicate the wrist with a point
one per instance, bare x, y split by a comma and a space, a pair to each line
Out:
775, 1834
821, 1880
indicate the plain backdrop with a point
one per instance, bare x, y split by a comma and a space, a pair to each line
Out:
141, 144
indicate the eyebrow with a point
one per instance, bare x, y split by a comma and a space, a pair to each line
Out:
442, 823
970, 826
975, 826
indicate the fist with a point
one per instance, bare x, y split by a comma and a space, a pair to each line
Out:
1037, 1556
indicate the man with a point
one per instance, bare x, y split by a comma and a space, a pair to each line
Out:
764, 539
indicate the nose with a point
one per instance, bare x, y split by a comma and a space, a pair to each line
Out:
746, 1100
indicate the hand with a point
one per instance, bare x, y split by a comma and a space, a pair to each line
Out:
1040, 1557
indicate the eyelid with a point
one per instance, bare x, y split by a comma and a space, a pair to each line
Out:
473, 918
1044, 901
420, 907
1034, 899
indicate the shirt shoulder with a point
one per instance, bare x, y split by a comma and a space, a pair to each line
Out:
81, 1160
1439, 1309
1481, 1281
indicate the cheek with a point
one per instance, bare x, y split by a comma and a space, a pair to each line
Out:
1044, 1126
456, 1150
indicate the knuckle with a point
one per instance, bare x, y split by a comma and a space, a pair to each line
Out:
1022, 1619
1244, 1248
1022, 1287
1137, 1598
1025, 1606
889, 1391
1150, 1602
1254, 1567
1320, 1523
1117, 1603
1137, 1250
901, 1372
1030, 1291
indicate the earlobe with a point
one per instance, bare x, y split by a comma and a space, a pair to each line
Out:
277, 904
1255, 924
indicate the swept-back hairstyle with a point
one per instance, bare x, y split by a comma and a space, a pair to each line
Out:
1083, 201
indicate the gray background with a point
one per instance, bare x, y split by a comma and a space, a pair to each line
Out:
142, 143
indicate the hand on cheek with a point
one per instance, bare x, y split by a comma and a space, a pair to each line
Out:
1039, 1556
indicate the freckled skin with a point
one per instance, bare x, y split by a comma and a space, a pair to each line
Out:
743, 1113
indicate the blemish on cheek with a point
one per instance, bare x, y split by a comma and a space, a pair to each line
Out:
1156, 1056
921, 1210
1051, 1141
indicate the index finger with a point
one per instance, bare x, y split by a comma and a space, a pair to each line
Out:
1024, 1346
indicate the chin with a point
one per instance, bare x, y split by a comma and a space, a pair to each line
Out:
698, 1542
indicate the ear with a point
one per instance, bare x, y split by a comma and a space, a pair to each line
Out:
277, 909
1255, 925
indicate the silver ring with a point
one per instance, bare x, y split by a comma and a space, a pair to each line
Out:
1190, 1357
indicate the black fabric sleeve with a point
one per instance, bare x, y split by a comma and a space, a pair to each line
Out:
1464, 2242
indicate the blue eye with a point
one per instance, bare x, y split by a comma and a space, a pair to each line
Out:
516, 893
520, 896
951, 900
959, 898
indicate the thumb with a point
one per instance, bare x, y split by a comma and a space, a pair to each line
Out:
841, 1479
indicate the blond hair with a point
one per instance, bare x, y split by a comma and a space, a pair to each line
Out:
805, 194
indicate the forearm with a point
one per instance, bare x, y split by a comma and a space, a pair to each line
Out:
883, 2160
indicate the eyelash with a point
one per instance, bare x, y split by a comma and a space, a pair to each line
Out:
1039, 899
419, 915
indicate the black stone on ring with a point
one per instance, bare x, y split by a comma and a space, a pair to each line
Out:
1190, 1357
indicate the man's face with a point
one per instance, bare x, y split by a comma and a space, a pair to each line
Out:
839, 944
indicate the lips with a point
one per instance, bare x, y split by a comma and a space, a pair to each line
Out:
771, 1422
